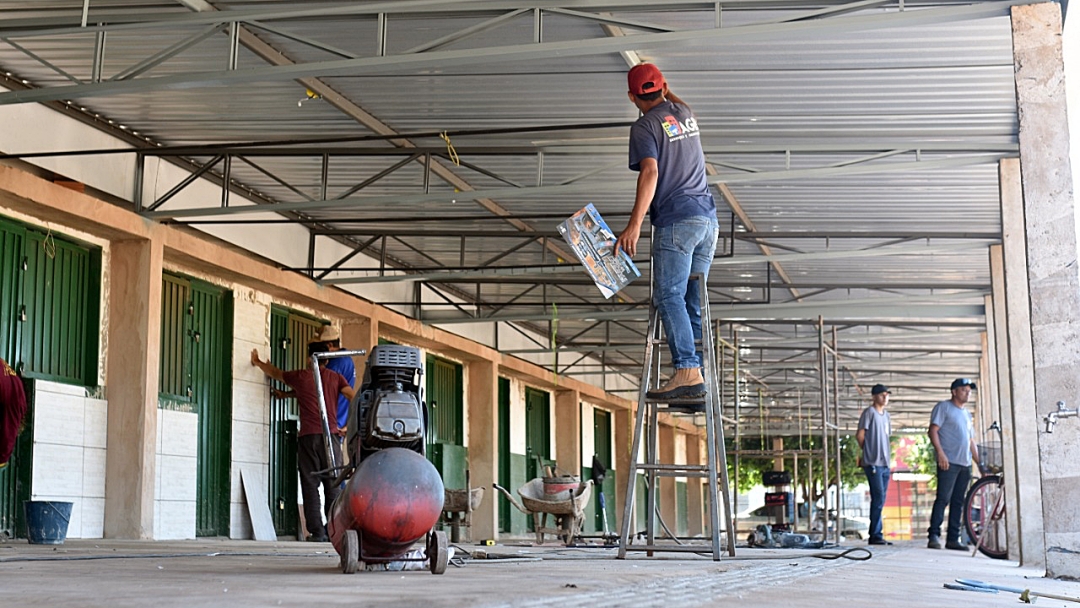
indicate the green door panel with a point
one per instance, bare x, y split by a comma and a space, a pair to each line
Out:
519, 522
289, 335
210, 344
537, 432
59, 310
12, 239
16, 477
681, 508
603, 450
504, 454
444, 393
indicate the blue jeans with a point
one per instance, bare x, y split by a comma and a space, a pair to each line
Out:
952, 487
878, 479
679, 250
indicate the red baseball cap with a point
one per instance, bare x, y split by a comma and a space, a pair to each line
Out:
645, 78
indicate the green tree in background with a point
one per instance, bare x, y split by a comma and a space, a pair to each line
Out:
751, 467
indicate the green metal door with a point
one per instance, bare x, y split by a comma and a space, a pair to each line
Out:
49, 305
210, 347
15, 478
537, 432
603, 451
446, 429
504, 453
11, 279
682, 514
289, 333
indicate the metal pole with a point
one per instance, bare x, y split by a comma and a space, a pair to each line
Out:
824, 395
836, 429
327, 439
738, 410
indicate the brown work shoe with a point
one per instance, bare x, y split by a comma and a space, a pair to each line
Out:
687, 383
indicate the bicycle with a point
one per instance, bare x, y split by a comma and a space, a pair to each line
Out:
984, 506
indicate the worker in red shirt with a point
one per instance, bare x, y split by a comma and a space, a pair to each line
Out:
12, 410
310, 452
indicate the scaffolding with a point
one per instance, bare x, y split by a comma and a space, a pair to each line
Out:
821, 420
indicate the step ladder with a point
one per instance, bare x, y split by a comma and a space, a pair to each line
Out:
645, 431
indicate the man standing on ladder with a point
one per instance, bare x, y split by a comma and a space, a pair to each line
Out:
665, 150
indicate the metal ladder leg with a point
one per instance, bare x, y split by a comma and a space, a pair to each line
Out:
715, 469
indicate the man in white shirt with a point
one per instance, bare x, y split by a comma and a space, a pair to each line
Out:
875, 430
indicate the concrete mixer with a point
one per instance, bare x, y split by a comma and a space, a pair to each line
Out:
393, 495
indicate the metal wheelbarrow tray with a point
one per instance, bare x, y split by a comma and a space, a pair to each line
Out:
568, 508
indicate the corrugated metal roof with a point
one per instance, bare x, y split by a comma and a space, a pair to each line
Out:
834, 103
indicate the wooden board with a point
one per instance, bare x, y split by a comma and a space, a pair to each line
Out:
258, 509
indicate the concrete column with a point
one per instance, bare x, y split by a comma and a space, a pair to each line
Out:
1052, 272
132, 382
666, 451
1024, 421
1000, 394
482, 402
359, 333
624, 440
695, 506
568, 430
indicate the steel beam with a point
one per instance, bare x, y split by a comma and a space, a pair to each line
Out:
577, 188
513, 53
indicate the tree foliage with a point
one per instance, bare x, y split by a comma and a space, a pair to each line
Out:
751, 467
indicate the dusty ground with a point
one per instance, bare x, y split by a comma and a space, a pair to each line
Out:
248, 573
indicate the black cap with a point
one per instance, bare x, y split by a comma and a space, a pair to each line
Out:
879, 388
963, 382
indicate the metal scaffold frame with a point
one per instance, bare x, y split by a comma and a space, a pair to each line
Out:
826, 424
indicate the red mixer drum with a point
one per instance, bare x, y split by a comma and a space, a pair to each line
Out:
392, 500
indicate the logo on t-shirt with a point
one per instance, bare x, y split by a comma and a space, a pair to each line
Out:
678, 130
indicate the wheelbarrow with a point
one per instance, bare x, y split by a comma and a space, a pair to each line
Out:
458, 507
567, 507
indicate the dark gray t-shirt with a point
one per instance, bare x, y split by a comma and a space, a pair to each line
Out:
875, 452
954, 432
669, 133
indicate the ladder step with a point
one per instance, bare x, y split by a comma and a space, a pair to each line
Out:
673, 467
701, 474
673, 547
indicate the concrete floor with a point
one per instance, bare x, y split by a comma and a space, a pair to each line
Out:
210, 572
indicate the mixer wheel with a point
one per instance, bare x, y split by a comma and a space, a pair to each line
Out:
350, 552
438, 552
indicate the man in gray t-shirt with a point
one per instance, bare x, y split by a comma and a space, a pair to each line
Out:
953, 437
875, 428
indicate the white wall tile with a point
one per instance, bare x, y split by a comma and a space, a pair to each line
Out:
251, 401
250, 442
93, 482
157, 476
179, 433
96, 425
59, 388
58, 469
251, 316
240, 522
93, 517
59, 419
178, 475
177, 520
242, 368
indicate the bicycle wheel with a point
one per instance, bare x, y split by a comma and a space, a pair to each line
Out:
984, 514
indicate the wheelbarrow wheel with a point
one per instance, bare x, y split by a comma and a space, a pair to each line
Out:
438, 552
350, 552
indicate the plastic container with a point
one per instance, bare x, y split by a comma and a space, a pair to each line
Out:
47, 521
556, 487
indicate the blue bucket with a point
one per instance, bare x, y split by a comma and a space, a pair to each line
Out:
47, 521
